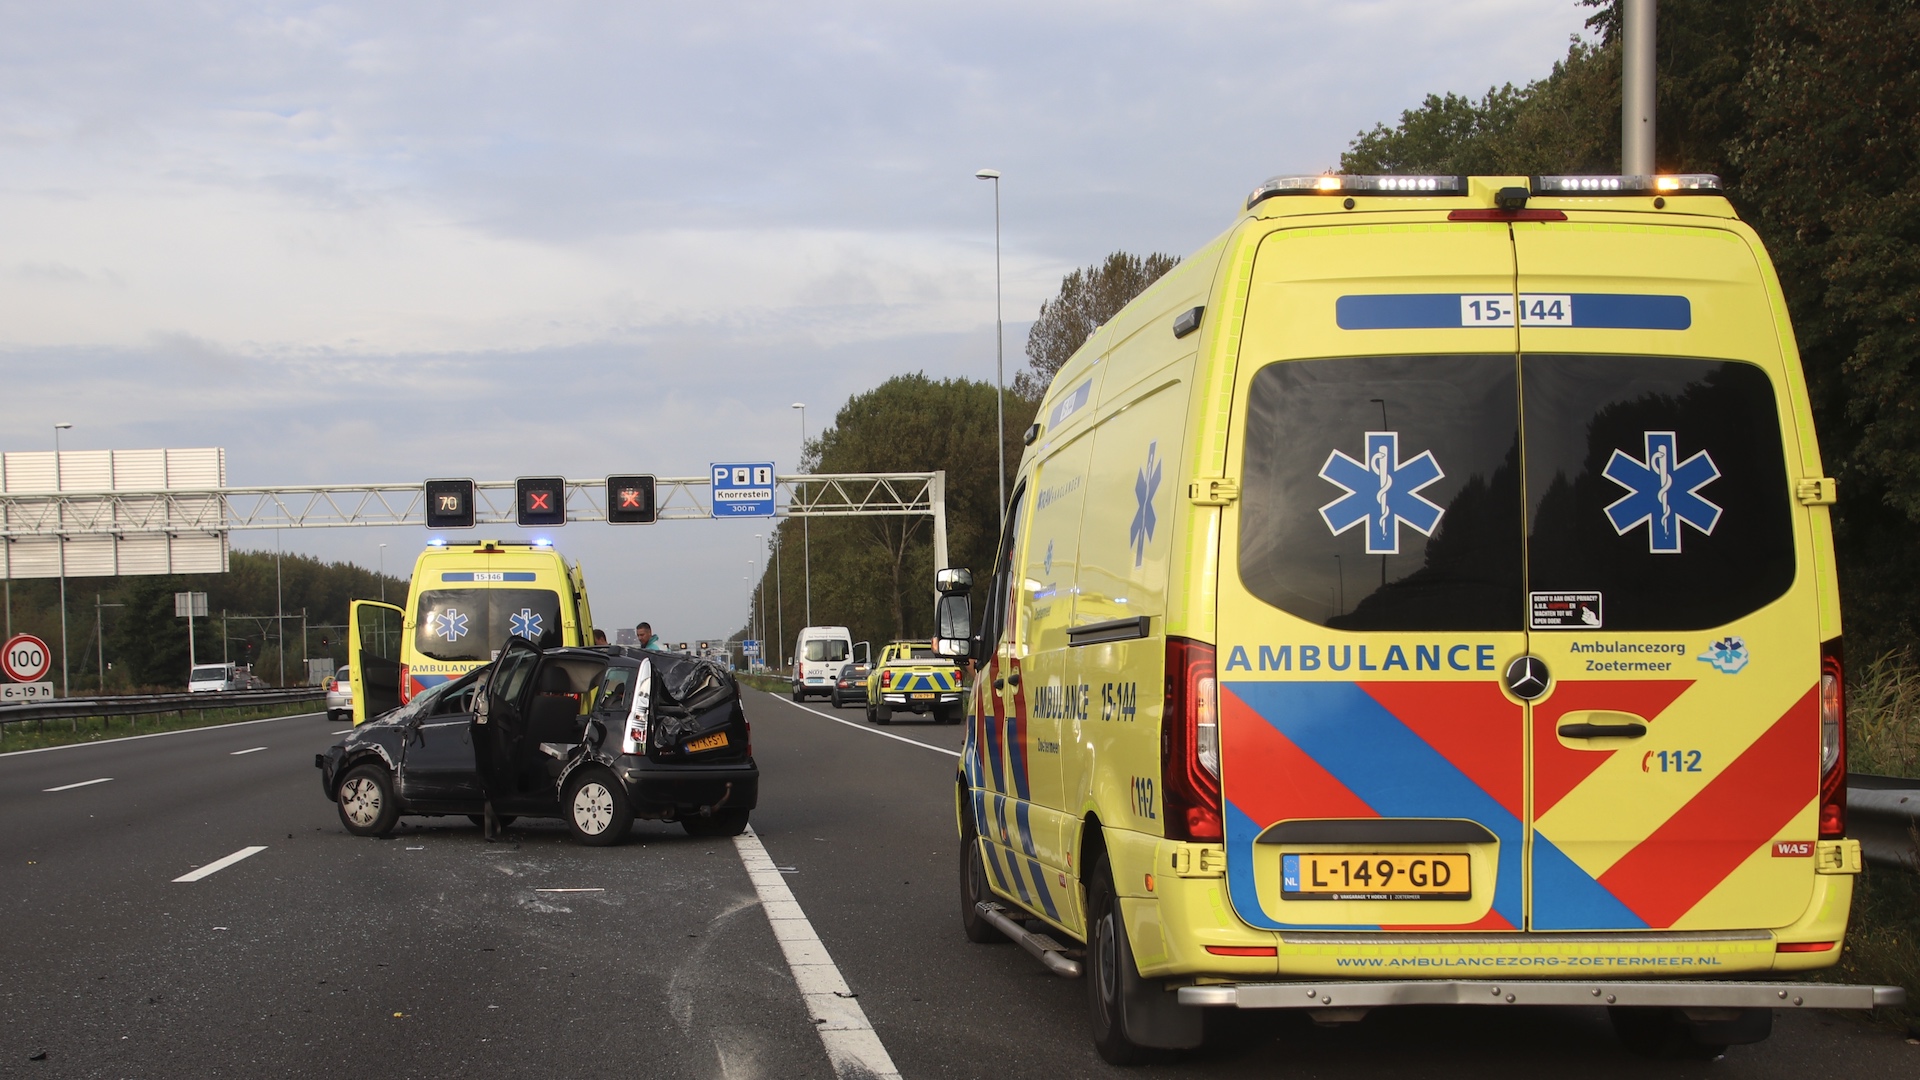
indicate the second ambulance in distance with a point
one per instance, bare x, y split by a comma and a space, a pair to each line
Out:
1424, 594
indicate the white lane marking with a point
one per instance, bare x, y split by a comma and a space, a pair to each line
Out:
569, 890
154, 735
83, 783
249, 750
342, 731
867, 728
218, 865
851, 1043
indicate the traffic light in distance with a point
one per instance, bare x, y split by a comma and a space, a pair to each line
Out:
540, 502
630, 500
449, 504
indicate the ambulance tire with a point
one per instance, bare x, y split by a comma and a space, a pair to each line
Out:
973, 882
1134, 1019
1667, 1033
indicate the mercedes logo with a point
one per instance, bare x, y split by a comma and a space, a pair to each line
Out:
1527, 677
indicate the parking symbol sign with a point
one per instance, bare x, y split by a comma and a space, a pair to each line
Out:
743, 489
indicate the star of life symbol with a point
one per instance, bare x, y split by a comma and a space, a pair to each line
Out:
1140, 532
1382, 491
1662, 493
1727, 656
450, 624
525, 623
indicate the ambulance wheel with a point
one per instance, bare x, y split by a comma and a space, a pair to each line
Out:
595, 808
366, 801
973, 881
1125, 1007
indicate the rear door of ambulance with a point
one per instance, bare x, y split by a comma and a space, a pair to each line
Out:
1371, 583
1675, 756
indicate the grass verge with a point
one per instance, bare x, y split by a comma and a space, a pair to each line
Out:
772, 684
1883, 939
1883, 716
38, 734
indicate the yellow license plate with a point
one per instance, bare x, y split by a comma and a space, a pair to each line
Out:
1372, 876
921, 697
707, 742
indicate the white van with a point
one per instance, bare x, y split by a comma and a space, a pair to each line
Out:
818, 654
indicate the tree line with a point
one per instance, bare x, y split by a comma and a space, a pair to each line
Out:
123, 637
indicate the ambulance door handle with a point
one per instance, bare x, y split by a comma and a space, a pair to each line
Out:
1603, 731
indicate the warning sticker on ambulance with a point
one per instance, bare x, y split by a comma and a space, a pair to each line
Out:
1565, 610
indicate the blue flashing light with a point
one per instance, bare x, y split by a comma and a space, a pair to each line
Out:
541, 541
436, 542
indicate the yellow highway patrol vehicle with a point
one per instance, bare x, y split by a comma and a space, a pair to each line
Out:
1423, 594
463, 602
911, 677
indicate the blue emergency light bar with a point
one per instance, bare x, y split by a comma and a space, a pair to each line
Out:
1677, 184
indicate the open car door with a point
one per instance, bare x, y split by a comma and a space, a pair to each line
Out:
501, 727
374, 633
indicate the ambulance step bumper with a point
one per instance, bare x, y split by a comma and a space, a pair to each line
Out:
1044, 949
1373, 994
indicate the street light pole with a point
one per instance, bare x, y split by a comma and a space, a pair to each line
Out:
65, 690
806, 523
383, 573
999, 345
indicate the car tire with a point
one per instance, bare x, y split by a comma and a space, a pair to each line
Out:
882, 714
595, 808
722, 823
799, 694
366, 800
502, 820
973, 881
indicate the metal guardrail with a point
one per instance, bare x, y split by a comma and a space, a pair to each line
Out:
148, 704
1883, 813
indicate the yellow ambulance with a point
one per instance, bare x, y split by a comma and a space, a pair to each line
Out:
463, 603
1424, 594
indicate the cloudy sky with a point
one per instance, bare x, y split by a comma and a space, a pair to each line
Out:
362, 243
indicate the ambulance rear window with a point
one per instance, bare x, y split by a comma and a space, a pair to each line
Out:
1659, 484
1383, 492
469, 624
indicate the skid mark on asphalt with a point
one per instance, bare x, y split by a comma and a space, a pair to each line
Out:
852, 1045
222, 863
868, 730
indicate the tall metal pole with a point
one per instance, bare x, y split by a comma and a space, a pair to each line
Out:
806, 523
58, 474
383, 573
999, 346
279, 612
779, 592
1637, 18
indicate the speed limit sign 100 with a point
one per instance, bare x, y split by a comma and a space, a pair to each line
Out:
26, 658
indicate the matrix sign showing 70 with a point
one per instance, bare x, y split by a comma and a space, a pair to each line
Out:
1497, 309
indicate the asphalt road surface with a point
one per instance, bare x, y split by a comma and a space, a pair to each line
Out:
437, 954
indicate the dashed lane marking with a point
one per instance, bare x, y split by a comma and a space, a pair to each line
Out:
218, 865
83, 783
869, 730
248, 750
851, 1044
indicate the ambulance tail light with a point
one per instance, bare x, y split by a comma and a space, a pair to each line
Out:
1833, 743
406, 686
1190, 743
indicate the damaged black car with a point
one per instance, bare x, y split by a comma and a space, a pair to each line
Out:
596, 737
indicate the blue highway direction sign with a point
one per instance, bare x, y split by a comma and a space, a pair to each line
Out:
743, 489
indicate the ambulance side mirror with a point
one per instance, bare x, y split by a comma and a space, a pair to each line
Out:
953, 614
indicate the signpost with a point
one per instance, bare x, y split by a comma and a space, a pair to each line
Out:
743, 489
186, 605
26, 658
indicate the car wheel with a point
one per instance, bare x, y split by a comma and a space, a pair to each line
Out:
366, 801
973, 881
595, 808
1118, 998
502, 820
722, 823
882, 714
799, 694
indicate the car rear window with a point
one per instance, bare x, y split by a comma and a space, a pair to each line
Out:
469, 624
1659, 484
1383, 492
206, 674
822, 650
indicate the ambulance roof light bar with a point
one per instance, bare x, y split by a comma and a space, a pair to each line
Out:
1677, 184
1357, 185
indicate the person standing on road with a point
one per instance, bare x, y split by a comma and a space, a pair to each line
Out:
644, 634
